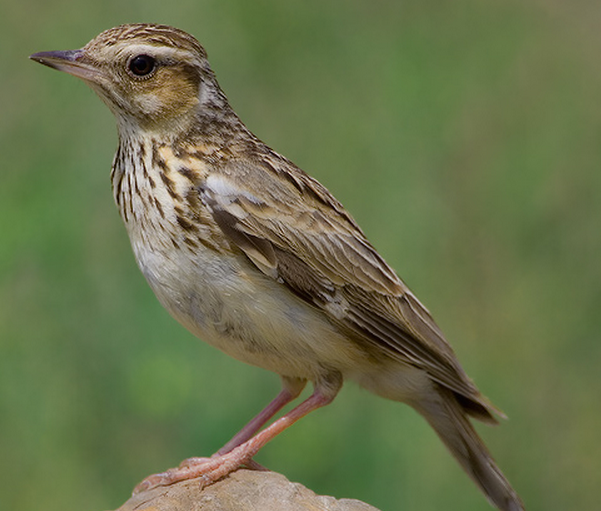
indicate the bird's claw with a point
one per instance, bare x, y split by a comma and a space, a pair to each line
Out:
207, 470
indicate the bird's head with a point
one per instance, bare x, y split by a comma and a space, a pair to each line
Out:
152, 77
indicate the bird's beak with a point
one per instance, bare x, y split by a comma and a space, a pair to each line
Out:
69, 61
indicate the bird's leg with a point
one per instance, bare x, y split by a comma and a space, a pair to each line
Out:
213, 469
291, 389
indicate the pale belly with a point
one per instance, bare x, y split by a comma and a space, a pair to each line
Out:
227, 302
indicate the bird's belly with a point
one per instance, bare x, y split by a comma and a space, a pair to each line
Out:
226, 301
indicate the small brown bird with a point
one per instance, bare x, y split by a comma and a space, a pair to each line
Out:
255, 257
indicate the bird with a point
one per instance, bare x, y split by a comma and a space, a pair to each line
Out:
257, 258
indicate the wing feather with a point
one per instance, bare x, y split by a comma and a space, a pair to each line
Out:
296, 232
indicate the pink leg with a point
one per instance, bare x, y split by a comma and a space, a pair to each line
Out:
215, 468
291, 390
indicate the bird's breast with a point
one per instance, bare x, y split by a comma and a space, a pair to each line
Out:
211, 289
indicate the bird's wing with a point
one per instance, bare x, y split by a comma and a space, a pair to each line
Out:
295, 231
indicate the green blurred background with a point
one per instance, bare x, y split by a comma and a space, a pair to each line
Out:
464, 137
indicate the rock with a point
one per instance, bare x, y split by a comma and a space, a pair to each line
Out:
243, 490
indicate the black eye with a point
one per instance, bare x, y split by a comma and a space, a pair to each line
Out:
142, 65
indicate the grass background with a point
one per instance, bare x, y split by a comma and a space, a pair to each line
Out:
463, 136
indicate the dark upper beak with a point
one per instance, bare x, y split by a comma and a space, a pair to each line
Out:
69, 61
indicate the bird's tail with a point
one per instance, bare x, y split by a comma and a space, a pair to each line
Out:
450, 421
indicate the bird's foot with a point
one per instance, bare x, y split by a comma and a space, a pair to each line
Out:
207, 470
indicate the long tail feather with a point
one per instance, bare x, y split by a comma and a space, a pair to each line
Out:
449, 419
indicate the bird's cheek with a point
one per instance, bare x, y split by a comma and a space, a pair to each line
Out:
150, 104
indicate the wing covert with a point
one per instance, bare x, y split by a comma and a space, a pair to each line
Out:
302, 240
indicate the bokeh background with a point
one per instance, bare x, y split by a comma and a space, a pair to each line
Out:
464, 137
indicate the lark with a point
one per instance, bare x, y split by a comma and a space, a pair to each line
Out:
257, 258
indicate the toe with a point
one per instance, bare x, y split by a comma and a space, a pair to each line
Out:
191, 462
150, 482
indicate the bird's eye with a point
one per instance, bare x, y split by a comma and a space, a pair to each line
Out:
142, 65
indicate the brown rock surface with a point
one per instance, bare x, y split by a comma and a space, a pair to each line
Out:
244, 490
